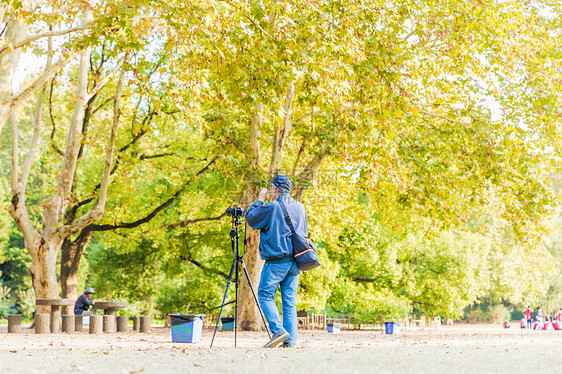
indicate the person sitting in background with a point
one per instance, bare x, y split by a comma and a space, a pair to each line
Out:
81, 308
540, 314
547, 325
529, 315
539, 321
523, 323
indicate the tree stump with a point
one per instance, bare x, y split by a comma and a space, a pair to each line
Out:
14, 323
136, 323
68, 323
109, 323
144, 324
96, 324
122, 323
42, 323
78, 323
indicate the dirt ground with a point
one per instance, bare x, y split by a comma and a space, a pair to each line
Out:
458, 349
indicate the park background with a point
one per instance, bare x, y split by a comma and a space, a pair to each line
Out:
423, 139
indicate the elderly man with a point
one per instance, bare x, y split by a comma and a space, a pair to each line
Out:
84, 303
280, 269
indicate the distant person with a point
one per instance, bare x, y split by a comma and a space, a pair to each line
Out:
546, 323
529, 315
559, 316
539, 324
523, 323
81, 308
540, 314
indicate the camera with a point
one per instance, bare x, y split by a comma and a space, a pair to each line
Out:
235, 212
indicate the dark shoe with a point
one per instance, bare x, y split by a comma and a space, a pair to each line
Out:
288, 345
277, 339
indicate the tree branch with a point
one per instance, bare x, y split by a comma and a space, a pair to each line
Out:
14, 177
102, 105
82, 27
438, 115
303, 144
280, 136
203, 267
191, 221
114, 169
49, 34
254, 133
99, 85
156, 210
98, 209
40, 81
308, 172
17, 208
36, 132
361, 279
53, 143
148, 157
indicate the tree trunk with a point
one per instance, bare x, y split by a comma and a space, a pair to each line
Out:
43, 269
71, 251
15, 33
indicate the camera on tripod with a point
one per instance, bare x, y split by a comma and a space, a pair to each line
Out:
235, 212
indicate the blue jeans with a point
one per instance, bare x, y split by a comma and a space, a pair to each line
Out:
285, 276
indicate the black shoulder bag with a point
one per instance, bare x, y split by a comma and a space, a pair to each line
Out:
303, 249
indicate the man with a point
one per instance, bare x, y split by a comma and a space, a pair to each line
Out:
529, 316
280, 269
83, 303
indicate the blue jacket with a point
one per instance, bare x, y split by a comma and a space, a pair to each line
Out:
275, 234
82, 304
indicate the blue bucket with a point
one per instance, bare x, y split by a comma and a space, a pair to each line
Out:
391, 328
186, 328
227, 323
334, 328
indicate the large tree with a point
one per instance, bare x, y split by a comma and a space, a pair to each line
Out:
44, 243
390, 92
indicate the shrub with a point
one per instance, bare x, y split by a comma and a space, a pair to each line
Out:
26, 300
5, 301
476, 315
499, 313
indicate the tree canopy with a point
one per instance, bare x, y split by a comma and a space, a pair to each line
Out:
421, 137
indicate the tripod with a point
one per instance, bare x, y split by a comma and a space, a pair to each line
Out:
235, 269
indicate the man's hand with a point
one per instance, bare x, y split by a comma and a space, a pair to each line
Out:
263, 195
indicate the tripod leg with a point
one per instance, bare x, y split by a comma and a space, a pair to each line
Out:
255, 297
237, 284
223, 300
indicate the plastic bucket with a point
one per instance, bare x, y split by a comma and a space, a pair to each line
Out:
334, 328
391, 328
186, 328
227, 323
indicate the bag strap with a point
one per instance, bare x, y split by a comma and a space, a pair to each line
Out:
287, 217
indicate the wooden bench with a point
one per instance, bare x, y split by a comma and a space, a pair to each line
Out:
55, 305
